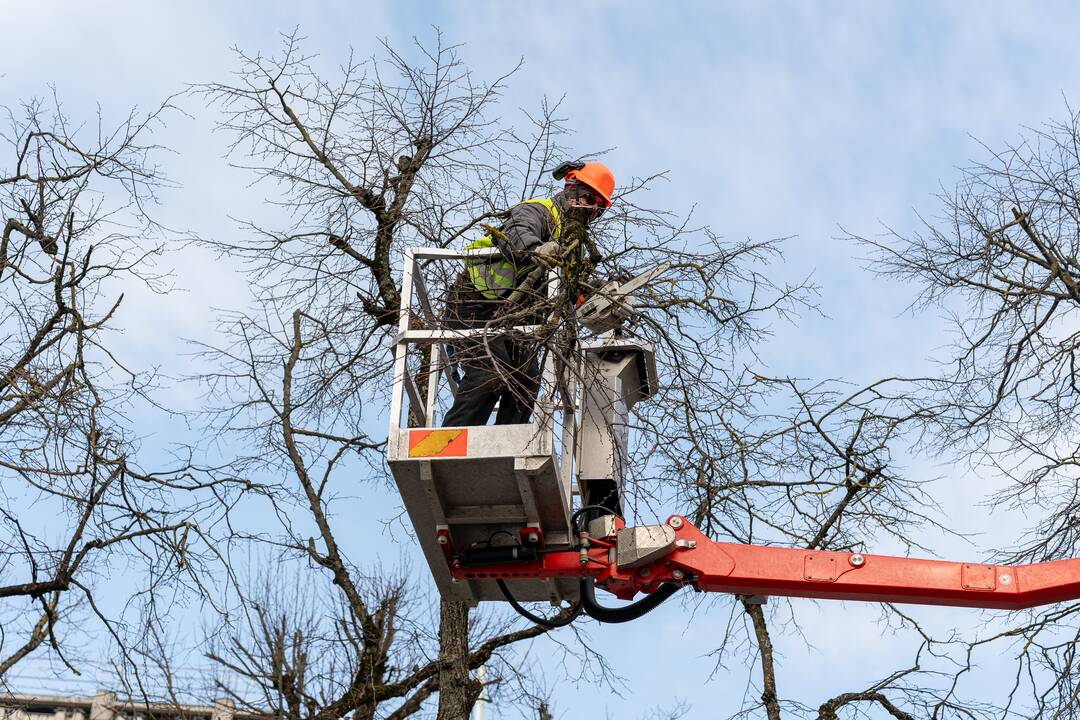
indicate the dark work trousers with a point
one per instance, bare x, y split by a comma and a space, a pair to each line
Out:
499, 370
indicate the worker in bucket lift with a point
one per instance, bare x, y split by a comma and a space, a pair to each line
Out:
537, 233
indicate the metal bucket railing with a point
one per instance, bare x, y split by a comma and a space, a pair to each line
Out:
423, 382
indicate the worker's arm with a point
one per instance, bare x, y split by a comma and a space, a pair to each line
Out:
528, 228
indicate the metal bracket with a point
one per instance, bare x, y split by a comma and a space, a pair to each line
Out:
641, 545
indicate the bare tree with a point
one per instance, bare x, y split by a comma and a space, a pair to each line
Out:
391, 153
813, 465
406, 149
76, 505
397, 151
1001, 260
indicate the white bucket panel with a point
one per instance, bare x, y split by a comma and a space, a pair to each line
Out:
484, 484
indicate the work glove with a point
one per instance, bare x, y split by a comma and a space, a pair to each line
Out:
548, 253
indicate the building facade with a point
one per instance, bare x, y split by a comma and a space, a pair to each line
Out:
105, 705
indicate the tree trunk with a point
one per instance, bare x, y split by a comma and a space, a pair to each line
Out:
769, 697
458, 691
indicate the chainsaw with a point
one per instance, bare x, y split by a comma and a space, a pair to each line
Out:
611, 305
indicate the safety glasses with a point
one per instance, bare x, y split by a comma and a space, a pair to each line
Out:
581, 194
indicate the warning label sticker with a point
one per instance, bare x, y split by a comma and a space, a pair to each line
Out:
452, 442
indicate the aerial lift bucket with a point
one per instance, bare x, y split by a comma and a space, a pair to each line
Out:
491, 494
484, 488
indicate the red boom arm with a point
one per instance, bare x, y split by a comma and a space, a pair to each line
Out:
712, 566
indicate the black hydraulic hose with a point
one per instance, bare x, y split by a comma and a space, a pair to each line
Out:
541, 621
587, 602
581, 511
576, 611
626, 613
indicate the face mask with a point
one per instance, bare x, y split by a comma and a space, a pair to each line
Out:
583, 214
585, 205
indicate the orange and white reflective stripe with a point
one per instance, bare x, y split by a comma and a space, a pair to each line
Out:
451, 442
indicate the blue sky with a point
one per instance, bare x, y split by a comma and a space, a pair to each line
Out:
773, 119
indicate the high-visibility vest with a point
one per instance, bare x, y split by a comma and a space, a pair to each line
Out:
495, 277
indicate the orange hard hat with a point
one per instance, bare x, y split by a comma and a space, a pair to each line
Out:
597, 176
